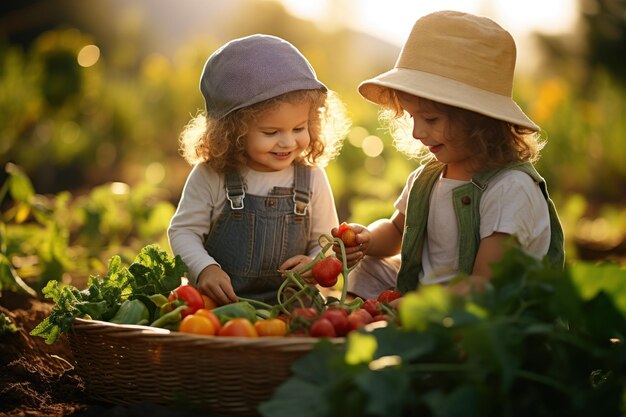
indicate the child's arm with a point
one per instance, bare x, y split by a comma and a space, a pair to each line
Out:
490, 250
385, 236
215, 283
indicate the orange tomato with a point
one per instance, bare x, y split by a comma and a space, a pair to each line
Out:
211, 316
209, 303
271, 327
197, 324
239, 327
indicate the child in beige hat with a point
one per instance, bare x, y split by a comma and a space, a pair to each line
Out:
476, 189
257, 197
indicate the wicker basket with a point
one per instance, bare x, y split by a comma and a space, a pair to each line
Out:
127, 364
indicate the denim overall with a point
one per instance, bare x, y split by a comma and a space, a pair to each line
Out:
254, 235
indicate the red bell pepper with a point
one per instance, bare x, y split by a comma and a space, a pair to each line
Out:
188, 295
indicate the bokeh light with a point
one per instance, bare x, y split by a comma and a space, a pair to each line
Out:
372, 146
88, 56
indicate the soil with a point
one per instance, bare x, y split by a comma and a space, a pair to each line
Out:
38, 380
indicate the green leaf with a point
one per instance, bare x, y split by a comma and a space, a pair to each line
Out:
10, 280
296, 397
494, 346
431, 304
387, 391
305, 393
361, 348
592, 279
21, 188
154, 271
409, 346
461, 402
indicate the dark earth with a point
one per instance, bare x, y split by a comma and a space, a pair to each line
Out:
38, 380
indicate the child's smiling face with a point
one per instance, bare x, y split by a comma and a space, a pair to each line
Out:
433, 127
278, 136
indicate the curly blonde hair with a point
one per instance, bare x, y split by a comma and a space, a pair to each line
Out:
220, 143
495, 143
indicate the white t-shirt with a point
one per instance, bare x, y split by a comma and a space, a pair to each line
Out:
513, 204
203, 199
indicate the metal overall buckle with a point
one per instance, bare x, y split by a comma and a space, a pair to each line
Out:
236, 201
300, 203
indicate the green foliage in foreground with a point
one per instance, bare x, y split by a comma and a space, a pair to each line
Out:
531, 345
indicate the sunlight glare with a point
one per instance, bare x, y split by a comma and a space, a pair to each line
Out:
393, 20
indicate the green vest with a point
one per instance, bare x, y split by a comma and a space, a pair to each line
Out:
466, 201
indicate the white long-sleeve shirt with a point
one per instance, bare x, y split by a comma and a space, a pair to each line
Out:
203, 199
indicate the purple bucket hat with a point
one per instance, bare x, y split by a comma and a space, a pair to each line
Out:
253, 69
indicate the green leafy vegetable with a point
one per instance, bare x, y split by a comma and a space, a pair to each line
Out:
152, 272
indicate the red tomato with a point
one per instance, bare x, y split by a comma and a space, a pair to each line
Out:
239, 327
197, 325
307, 313
270, 327
358, 319
346, 234
371, 306
382, 317
322, 328
211, 316
339, 319
326, 271
388, 296
190, 296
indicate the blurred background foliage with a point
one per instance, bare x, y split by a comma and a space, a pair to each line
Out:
93, 96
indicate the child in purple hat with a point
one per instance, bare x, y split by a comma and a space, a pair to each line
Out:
257, 198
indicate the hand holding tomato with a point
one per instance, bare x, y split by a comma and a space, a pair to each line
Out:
347, 235
355, 238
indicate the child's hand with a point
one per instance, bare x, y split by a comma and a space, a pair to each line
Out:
362, 239
296, 263
215, 284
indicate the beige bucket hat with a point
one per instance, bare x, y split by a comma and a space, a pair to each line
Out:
457, 59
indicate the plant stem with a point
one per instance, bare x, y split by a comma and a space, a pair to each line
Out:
256, 302
345, 272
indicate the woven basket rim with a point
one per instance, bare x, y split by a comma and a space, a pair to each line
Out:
164, 335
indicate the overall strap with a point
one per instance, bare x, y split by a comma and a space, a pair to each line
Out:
301, 189
235, 191
466, 201
416, 219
